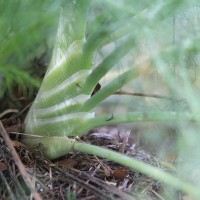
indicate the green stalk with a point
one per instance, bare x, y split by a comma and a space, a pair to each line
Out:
139, 166
116, 84
84, 105
108, 63
112, 119
142, 18
110, 88
54, 147
86, 122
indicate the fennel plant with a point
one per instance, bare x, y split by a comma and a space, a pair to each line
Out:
64, 106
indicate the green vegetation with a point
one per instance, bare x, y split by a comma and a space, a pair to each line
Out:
149, 37
27, 31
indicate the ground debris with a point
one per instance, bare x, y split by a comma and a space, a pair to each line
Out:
78, 175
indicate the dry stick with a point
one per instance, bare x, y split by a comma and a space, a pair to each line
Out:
123, 92
19, 163
100, 183
82, 183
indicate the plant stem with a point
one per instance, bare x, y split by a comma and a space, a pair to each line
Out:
139, 166
111, 119
110, 88
54, 147
108, 63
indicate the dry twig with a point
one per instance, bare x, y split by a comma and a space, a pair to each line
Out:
123, 92
19, 163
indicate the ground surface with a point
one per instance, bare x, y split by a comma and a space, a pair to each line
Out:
77, 175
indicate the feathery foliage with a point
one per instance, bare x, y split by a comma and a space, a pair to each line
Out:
26, 31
